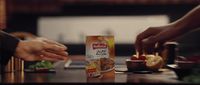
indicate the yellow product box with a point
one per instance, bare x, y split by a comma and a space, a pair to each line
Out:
100, 57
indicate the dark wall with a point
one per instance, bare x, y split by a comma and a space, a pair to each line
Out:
27, 21
22, 22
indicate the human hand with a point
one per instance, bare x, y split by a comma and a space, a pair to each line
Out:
146, 41
41, 49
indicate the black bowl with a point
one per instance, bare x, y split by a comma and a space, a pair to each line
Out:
185, 64
180, 72
136, 65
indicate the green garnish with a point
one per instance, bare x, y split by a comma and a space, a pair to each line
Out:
42, 64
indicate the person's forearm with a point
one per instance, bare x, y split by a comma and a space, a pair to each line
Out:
190, 21
185, 24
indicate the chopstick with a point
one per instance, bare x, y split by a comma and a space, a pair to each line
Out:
156, 51
137, 54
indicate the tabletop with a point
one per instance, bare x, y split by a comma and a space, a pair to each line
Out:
76, 74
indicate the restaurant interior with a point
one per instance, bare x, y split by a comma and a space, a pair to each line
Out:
57, 20
70, 21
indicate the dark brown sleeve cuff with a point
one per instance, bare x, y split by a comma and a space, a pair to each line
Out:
8, 46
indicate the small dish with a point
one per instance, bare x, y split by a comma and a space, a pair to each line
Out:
185, 64
136, 65
180, 72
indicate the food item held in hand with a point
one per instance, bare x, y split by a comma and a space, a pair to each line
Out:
142, 57
134, 57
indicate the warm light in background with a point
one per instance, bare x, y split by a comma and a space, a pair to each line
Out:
2, 14
75, 29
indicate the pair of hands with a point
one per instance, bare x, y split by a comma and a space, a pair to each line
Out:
41, 49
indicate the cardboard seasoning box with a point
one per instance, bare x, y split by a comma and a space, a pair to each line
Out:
100, 57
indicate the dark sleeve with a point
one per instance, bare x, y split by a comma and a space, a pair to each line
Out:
8, 45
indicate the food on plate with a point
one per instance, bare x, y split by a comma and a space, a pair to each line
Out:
151, 62
40, 66
154, 62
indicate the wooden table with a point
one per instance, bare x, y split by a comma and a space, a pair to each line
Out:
78, 75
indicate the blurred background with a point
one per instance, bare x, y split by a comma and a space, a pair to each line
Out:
69, 21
